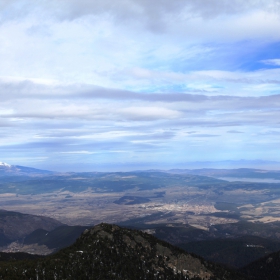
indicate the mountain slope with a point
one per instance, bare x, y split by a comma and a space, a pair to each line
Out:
15, 225
111, 252
17, 256
58, 238
266, 268
234, 252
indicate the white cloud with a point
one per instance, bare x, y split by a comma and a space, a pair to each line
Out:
79, 152
148, 113
275, 62
88, 78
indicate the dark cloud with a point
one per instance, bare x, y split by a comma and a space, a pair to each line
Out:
28, 89
7, 123
234, 131
126, 95
31, 90
152, 136
214, 8
206, 123
203, 135
156, 10
270, 133
154, 15
63, 145
139, 147
45, 145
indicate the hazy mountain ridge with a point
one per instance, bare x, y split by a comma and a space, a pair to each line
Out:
237, 172
15, 225
100, 182
57, 238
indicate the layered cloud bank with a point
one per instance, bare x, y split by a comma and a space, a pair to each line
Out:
95, 84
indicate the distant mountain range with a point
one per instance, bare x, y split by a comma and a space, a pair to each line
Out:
230, 164
223, 164
17, 170
237, 173
199, 168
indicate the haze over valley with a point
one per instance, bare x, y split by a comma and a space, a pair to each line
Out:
195, 197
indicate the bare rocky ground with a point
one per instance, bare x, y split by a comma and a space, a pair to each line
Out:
33, 249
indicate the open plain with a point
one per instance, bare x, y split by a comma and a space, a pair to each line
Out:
155, 197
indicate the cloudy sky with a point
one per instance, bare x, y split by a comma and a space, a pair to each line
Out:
128, 84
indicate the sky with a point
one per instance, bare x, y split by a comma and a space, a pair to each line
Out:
137, 84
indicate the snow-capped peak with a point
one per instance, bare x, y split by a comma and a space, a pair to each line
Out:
5, 164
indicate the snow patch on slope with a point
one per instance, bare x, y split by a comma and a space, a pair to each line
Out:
5, 164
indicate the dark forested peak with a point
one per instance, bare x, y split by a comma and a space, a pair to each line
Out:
156, 256
112, 252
